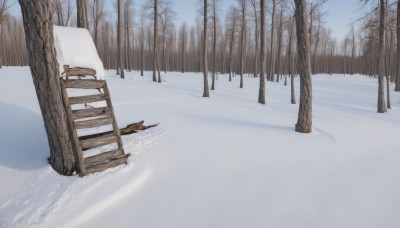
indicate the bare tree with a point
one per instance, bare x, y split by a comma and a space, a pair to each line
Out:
128, 23
97, 10
231, 24
242, 37
214, 7
45, 74
142, 42
120, 69
380, 59
82, 17
166, 15
4, 7
206, 92
261, 93
183, 41
62, 11
271, 72
255, 6
304, 121
290, 71
280, 40
155, 39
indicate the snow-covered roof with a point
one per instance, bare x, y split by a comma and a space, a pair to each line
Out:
75, 47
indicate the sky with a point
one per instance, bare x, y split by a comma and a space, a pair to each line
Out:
340, 13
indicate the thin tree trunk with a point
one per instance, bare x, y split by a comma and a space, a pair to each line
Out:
45, 73
155, 43
304, 122
291, 74
278, 54
381, 60
261, 93
241, 64
214, 60
271, 72
119, 41
206, 92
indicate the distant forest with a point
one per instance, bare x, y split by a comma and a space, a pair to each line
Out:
179, 47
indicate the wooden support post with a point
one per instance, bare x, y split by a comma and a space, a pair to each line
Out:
79, 163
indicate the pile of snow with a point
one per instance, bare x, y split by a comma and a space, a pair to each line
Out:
223, 161
75, 48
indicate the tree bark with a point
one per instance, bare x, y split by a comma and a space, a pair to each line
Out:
82, 19
304, 121
206, 92
397, 88
261, 93
291, 74
45, 74
119, 40
381, 58
214, 50
242, 34
155, 38
278, 54
271, 72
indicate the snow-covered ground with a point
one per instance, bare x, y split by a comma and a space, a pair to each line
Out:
225, 161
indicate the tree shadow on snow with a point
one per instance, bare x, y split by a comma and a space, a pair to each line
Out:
23, 140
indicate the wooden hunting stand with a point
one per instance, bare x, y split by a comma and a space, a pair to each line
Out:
90, 118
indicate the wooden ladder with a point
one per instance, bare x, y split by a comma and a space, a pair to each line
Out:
91, 118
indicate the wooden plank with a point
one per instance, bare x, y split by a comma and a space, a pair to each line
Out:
115, 125
77, 150
98, 141
87, 99
101, 158
94, 122
78, 71
110, 164
90, 112
85, 84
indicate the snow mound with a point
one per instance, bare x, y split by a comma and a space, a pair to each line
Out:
75, 48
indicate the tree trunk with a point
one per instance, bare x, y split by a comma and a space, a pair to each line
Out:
261, 93
155, 34
397, 88
291, 74
304, 122
119, 41
381, 58
206, 92
271, 71
82, 19
214, 60
241, 64
45, 73
278, 54
232, 43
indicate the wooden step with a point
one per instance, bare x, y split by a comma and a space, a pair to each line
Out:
87, 99
94, 142
94, 122
103, 157
90, 112
84, 84
107, 165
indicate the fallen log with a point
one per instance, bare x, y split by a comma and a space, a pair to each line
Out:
130, 129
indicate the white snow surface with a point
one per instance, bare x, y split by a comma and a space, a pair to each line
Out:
223, 161
75, 48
